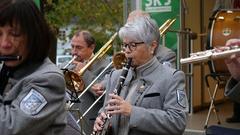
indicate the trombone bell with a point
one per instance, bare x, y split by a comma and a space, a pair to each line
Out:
74, 82
118, 60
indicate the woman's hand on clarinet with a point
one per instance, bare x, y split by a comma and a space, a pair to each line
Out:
117, 105
98, 125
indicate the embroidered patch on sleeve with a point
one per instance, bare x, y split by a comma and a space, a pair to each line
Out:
33, 102
181, 98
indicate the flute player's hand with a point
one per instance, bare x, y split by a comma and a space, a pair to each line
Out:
233, 62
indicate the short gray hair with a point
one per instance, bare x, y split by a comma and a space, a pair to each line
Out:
143, 29
137, 13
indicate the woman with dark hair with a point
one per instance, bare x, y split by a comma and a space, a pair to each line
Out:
30, 101
27, 18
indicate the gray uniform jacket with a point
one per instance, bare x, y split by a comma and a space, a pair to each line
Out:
33, 101
166, 56
88, 98
232, 90
159, 103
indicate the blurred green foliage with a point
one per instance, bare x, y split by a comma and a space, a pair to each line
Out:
101, 17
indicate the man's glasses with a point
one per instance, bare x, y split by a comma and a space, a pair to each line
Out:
132, 46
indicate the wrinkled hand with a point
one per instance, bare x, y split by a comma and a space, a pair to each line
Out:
98, 89
98, 125
233, 62
116, 105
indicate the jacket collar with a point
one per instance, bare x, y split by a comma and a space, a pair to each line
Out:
147, 68
27, 68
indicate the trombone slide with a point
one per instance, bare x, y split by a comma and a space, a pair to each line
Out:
74, 57
165, 26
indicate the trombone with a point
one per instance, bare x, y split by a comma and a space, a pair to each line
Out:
74, 57
118, 58
74, 81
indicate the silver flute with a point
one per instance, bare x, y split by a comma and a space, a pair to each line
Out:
217, 53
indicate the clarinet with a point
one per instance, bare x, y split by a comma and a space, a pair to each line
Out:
116, 91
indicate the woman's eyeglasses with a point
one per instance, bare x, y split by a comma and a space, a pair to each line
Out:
132, 46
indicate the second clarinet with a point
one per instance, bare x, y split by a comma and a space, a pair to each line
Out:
116, 91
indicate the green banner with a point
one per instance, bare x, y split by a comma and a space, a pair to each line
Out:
37, 3
162, 10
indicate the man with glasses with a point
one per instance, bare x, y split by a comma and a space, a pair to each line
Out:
152, 99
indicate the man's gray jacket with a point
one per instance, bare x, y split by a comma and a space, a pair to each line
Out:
166, 56
232, 90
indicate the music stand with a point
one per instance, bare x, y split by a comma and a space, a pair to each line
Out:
220, 79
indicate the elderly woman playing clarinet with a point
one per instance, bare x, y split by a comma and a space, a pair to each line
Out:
152, 100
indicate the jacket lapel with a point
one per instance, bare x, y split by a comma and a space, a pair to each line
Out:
141, 88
